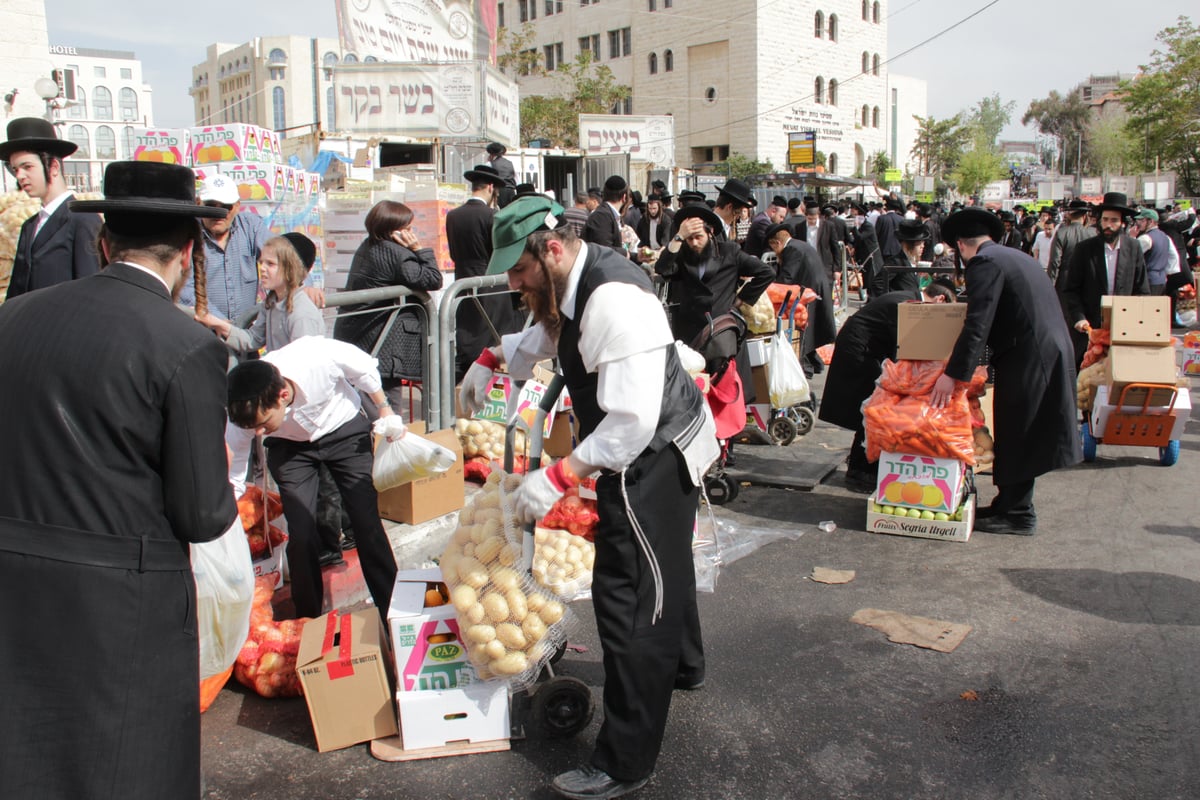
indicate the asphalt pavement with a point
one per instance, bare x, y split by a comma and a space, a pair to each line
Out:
1075, 681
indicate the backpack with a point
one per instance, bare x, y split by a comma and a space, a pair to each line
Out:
720, 341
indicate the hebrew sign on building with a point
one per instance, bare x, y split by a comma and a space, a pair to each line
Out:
430, 31
648, 139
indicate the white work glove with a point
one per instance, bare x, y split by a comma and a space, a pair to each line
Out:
475, 384
540, 490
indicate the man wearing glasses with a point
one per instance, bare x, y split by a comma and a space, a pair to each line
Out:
231, 250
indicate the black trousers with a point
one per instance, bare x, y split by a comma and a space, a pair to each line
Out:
294, 465
1016, 501
644, 654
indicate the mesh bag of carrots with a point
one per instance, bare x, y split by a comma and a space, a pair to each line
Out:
898, 416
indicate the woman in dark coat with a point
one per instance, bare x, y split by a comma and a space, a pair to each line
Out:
390, 256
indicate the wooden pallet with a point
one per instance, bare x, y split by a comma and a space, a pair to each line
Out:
390, 749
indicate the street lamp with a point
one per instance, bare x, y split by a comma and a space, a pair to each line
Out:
48, 90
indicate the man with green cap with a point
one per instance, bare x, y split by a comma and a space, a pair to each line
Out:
646, 429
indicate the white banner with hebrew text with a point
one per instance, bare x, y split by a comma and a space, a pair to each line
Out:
644, 138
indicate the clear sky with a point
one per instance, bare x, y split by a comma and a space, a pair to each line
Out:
1020, 49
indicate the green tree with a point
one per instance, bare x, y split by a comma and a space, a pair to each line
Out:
939, 143
879, 164
1111, 148
584, 88
741, 166
515, 53
976, 169
1164, 104
987, 118
1065, 118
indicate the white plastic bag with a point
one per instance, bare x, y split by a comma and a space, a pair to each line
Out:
224, 594
788, 386
400, 459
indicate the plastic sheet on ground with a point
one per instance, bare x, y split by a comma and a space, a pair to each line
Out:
720, 542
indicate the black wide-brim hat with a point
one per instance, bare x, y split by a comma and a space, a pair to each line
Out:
703, 212
911, 230
1116, 201
484, 173
739, 191
971, 222
149, 187
34, 135
688, 196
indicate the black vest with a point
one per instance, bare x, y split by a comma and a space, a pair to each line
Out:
682, 402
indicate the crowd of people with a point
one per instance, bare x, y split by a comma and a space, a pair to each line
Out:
148, 414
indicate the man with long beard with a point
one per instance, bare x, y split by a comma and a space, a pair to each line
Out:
645, 427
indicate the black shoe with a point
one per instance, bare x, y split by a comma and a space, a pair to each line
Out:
985, 512
860, 481
688, 683
818, 367
1005, 523
331, 558
588, 783
348, 540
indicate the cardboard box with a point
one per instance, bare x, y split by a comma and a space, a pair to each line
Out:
475, 713
761, 378
1188, 359
258, 183
343, 667
1140, 320
1141, 364
928, 331
1104, 407
921, 482
429, 651
422, 500
236, 142
165, 145
950, 530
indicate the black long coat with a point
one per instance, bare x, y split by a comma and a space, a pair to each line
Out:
865, 340
800, 265
690, 297
870, 259
112, 419
63, 250
1012, 308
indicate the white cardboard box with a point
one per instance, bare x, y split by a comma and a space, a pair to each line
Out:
428, 649
946, 530
1182, 411
937, 481
758, 349
475, 713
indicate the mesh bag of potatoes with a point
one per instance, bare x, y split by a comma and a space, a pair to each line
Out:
562, 563
481, 437
510, 625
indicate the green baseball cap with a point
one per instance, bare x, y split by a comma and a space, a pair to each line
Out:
512, 225
1147, 213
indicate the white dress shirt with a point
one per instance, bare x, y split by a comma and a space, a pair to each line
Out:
48, 211
1111, 251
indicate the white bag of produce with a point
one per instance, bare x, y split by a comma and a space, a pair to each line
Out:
224, 595
400, 458
788, 386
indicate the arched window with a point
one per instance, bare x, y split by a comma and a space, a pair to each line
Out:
833, 84
331, 109
833, 28
127, 98
819, 90
279, 107
654, 63
79, 135
127, 142
350, 58
875, 12
866, 62
668, 61
819, 24
866, 10
277, 56
79, 109
866, 115
875, 64
106, 143
369, 59
330, 59
875, 117
831, 167
102, 103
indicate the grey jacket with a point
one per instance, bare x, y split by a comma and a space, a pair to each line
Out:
275, 327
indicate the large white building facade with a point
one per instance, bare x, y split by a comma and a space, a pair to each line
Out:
740, 76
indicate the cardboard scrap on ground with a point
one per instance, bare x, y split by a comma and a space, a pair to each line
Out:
932, 634
826, 575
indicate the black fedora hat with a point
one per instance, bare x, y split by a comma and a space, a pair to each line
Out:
304, 248
777, 227
691, 196
911, 230
1116, 201
526, 190
34, 135
971, 222
703, 212
739, 191
861, 208
148, 187
483, 173
1078, 206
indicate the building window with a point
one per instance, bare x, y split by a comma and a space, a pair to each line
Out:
866, 115
833, 27
819, 24
532, 8
710, 95
499, 15
127, 142
588, 2
866, 10
350, 58
79, 109
554, 56
126, 74
875, 64
866, 62
99, 72
620, 43
653, 6
668, 61
591, 45
875, 117
819, 90
833, 86
106, 143
330, 109
654, 63
554, 7
79, 135
668, 3
127, 98
279, 107
624, 106
277, 56
831, 167
875, 13
277, 72
370, 59
102, 103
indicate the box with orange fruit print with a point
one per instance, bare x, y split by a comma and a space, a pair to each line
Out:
259, 183
217, 144
921, 496
164, 145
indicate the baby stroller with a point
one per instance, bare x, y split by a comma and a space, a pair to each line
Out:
719, 343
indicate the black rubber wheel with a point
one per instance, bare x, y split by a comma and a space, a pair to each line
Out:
804, 419
717, 489
563, 706
733, 488
782, 431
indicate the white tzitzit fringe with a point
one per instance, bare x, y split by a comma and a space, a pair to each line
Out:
655, 570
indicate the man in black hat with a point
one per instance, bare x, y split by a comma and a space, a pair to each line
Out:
799, 265
1011, 236
756, 239
866, 253
732, 197
820, 234
1109, 264
1070, 233
112, 467
1011, 310
654, 228
469, 234
506, 171
901, 269
886, 225
604, 224
54, 245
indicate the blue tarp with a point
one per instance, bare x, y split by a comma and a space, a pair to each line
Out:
324, 157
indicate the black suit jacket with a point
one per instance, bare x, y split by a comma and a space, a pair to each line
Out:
800, 265
112, 419
756, 239
1087, 277
866, 253
604, 228
691, 296
824, 243
885, 231
65, 249
662, 232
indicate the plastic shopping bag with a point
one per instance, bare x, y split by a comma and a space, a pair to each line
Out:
224, 594
787, 385
400, 459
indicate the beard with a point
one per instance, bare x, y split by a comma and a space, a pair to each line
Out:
543, 303
694, 258
1110, 236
